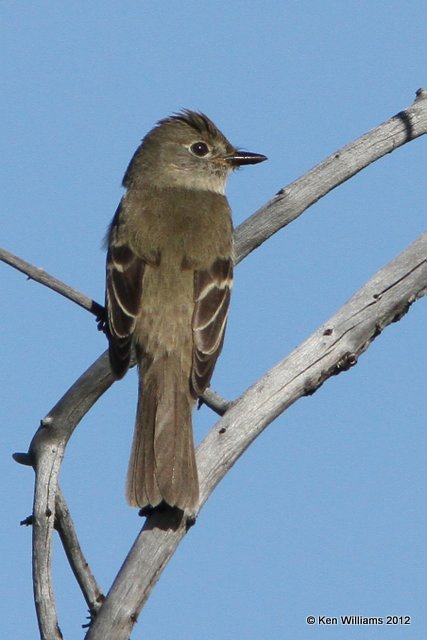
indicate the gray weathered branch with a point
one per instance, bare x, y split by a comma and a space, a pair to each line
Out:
293, 200
40, 275
85, 579
46, 453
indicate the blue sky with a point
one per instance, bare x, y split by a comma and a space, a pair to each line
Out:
326, 513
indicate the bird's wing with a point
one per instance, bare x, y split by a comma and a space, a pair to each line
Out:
212, 296
125, 271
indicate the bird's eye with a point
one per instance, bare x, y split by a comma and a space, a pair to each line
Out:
199, 149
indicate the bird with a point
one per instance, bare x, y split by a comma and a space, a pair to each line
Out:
169, 274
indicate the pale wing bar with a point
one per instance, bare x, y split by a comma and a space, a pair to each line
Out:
125, 272
212, 289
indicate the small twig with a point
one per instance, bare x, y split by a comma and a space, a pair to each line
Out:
41, 276
86, 580
214, 401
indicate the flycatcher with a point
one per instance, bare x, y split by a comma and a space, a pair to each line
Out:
169, 276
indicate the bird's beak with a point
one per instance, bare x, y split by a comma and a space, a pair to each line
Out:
238, 158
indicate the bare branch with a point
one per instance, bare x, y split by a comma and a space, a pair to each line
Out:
333, 348
85, 579
41, 276
215, 402
150, 553
46, 452
293, 200
47, 464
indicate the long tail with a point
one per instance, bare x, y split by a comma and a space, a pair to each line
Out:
162, 465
